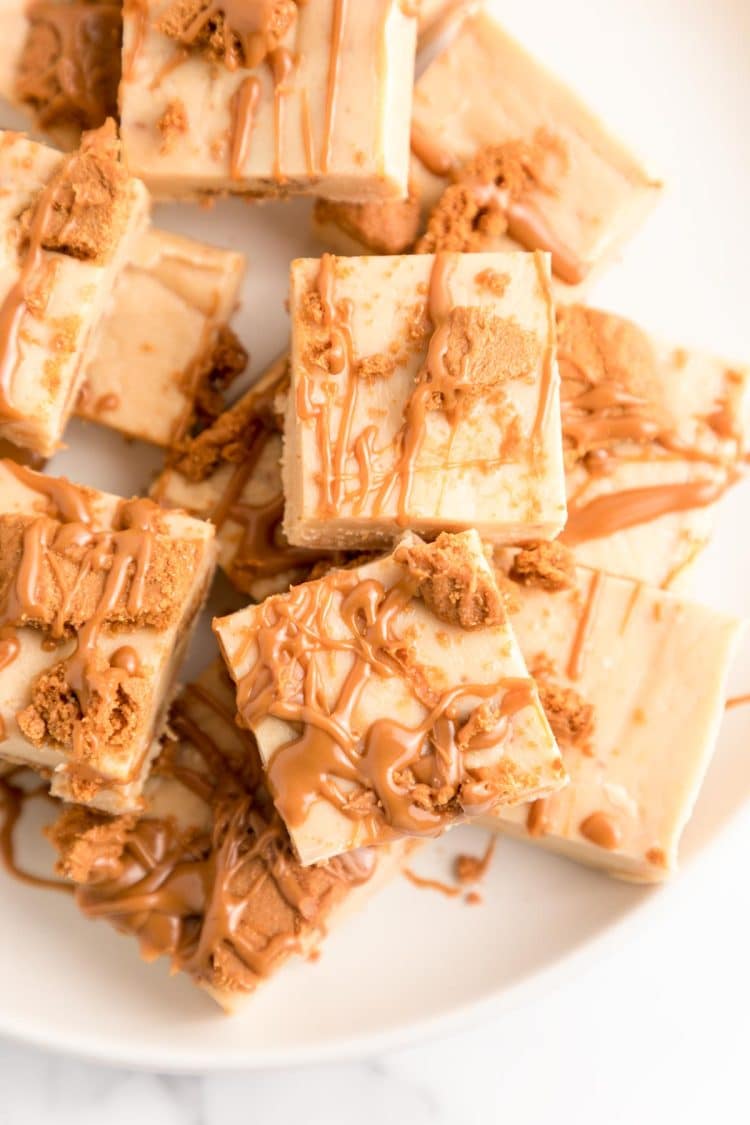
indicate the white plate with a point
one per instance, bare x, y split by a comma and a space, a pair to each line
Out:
673, 77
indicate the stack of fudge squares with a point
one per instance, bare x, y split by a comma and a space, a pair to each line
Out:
461, 504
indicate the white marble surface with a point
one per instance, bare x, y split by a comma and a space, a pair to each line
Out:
656, 1032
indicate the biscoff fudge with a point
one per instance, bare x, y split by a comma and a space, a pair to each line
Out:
424, 395
284, 97
390, 699
633, 680
231, 902
60, 63
98, 596
505, 156
653, 435
168, 321
230, 473
68, 225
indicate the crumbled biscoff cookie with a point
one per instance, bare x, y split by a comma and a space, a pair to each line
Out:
91, 199
450, 584
569, 715
547, 564
233, 33
173, 123
68, 590
383, 228
115, 706
69, 69
482, 352
90, 845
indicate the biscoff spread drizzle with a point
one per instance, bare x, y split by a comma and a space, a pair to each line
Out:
391, 779
612, 412
81, 561
228, 904
70, 66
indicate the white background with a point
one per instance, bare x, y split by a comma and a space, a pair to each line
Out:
658, 1027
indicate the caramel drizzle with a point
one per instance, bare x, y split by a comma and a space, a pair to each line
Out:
427, 150
435, 381
374, 778
598, 416
15, 304
193, 896
585, 625
338, 21
123, 552
243, 106
736, 701
549, 378
12, 801
607, 514
430, 884
282, 65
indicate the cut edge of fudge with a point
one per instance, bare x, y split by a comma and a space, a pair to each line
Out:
193, 289
84, 208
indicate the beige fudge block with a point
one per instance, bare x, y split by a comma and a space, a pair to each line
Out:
60, 63
67, 227
98, 596
654, 435
231, 474
566, 185
204, 804
390, 699
167, 322
325, 110
633, 681
425, 396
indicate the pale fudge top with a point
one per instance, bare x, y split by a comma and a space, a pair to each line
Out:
425, 396
61, 63
168, 320
268, 97
232, 902
230, 473
535, 167
67, 225
633, 681
653, 436
96, 597
390, 699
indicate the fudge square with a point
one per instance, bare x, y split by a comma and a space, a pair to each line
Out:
232, 903
653, 436
268, 98
390, 699
60, 63
168, 321
68, 225
533, 166
98, 596
633, 682
424, 396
